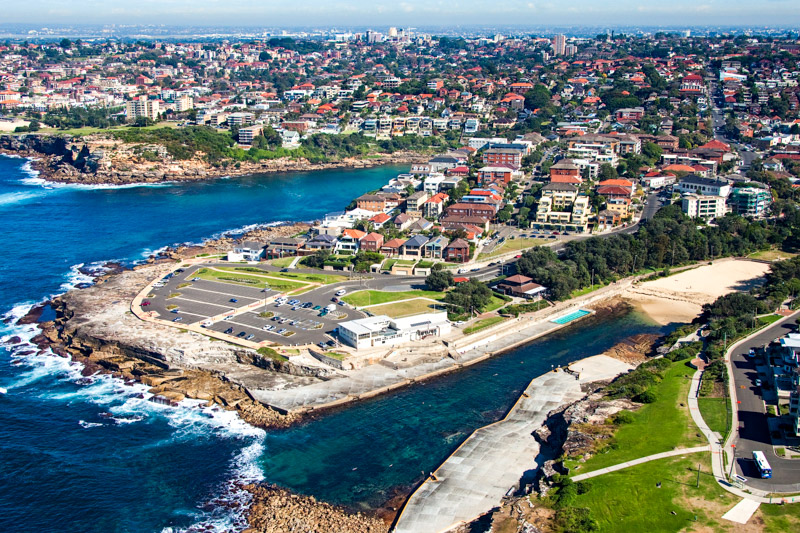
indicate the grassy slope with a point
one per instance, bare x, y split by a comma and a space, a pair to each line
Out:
715, 413
666, 424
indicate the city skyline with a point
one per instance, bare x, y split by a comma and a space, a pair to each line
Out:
407, 12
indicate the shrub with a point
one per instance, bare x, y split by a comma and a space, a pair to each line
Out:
647, 396
623, 417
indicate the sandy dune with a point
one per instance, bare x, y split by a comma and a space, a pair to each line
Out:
680, 298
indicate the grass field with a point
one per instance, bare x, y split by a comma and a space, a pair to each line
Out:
772, 255
666, 423
629, 500
283, 262
769, 319
715, 413
495, 304
248, 280
511, 245
414, 306
483, 324
780, 518
324, 279
362, 298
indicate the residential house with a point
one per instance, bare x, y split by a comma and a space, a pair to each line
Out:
414, 247
350, 241
486, 211
457, 251
392, 247
435, 247
372, 242
403, 221
703, 206
321, 242
379, 220
284, 246
705, 186
565, 168
247, 251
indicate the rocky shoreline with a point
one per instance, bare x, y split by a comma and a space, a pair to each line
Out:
579, 429
93, 326
276, 510
97, 160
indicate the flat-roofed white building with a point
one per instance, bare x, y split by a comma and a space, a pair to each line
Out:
381, 330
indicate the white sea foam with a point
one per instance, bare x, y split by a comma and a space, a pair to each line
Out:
129, 404
19, 197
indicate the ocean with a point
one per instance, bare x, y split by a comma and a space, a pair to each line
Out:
91, 455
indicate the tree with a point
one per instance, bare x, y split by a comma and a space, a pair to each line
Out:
652, 151
469, 296
537, 97
439, 280
607, 172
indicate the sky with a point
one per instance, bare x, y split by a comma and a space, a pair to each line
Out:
404, 13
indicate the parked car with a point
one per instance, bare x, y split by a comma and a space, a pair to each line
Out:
145, 304
228, 331
758, 382
233, 300
341, 292
241, 334
177, 319
249, 337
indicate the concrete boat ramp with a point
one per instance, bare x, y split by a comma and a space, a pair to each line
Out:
494, 458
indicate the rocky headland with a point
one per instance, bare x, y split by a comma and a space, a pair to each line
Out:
94, 326
101, 159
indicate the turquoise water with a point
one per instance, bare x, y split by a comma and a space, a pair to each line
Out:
92, 456
566, 319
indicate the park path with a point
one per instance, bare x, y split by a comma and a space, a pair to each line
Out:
654, 457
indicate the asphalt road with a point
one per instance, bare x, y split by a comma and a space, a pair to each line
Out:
753, 432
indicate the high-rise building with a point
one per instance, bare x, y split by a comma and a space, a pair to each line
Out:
570, 50
559, 45
142, 107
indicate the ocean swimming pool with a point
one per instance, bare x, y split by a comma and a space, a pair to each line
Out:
580, 313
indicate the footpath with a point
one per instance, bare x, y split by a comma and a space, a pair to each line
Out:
496, 459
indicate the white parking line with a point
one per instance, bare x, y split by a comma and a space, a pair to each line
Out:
224, 293
204, 303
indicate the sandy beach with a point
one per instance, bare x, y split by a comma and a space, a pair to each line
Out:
681, 297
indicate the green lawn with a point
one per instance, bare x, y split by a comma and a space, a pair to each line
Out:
629, 500
368, 297
405, 308
780, 518
483, 324
665, 423
283, 262
325, 279
585, 290
511, 245
494, 304
249, 280
389, 264
715, 413
769, 319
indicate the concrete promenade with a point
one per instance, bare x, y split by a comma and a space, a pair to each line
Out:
494, 458
377, 379
627, 464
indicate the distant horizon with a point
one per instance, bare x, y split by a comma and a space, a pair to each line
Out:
359, 13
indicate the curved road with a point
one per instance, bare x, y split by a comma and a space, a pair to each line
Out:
753, 432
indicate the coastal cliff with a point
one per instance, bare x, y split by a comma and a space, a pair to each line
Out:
101, 159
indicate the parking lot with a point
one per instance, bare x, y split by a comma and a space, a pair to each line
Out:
248, 313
